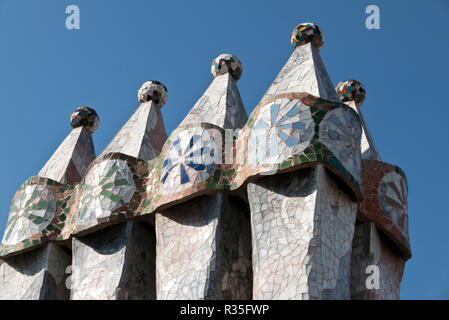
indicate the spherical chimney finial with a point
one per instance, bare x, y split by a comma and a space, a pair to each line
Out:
307, 32
85, 117
225, 63
351, 90
153, 91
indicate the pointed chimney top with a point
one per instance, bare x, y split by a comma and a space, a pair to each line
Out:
307, 32
304, 70
225, 63
85, 117
352, 93
143, 135
351, 90
69, 162
153, 91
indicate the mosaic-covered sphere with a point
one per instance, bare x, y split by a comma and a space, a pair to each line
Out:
351, 90
153, 91
225, 63
307, 32
85, 117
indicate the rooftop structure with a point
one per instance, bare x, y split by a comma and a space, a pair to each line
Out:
290, 202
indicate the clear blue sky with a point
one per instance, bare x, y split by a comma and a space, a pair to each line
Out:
46, 71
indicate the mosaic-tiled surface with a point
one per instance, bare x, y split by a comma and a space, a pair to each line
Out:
302, 229
351, 90
215, 263
298, 160
107, 186
385, 187
352, 93
282, 125
153, 91
341, 132
32, 210
307, 33
302, 223
393, 199
85, 117
34, 275
308, 129
367, 146
112, 190
203, 250
304, 72
195, 149
71, 159
220, 105
227, 63
184, 164
114, 264
37, 214
320, 148
142, 136
39, 208
370, 248
178, 167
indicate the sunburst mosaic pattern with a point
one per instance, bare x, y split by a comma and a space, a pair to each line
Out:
190, 159
283, 128
341, 132
393, 199
385, 203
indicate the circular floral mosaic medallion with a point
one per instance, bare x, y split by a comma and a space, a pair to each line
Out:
190, 159
341, 132
107, 186
282, 129
30, 212
393, 199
